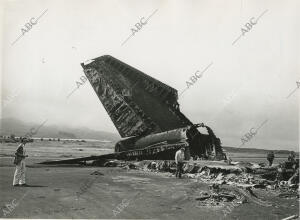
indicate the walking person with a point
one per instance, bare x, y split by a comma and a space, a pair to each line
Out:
19, 177
179, 158
270, 158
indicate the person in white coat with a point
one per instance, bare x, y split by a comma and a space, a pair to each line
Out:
19, 177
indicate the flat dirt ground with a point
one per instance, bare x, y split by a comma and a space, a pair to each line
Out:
72, 192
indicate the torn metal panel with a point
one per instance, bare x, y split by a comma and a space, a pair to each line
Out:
146, 112
137, 103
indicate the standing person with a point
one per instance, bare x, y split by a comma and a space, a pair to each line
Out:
270, 158
179, 157
291, 157
19, 177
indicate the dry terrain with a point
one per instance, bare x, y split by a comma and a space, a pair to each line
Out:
73, 192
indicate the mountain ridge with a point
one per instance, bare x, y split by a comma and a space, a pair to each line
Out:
20, 128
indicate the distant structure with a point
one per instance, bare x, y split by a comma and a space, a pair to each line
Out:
145, 111
14, 139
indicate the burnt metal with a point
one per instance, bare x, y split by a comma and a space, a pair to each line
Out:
145, 111
136, 103
146, 114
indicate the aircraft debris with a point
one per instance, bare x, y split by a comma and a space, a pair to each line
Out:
145, 111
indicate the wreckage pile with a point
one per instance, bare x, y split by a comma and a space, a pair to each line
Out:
219, 196
285, 175
281, 180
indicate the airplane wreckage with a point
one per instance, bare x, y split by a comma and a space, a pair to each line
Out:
146, 114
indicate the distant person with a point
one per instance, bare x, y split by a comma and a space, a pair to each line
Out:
229, 161
270, 158
19, 177
179, 158
291, 157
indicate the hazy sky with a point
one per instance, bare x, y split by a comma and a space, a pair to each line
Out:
246, 84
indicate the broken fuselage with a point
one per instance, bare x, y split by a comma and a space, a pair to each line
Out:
146, 114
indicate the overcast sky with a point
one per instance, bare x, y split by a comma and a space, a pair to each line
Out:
246, 84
